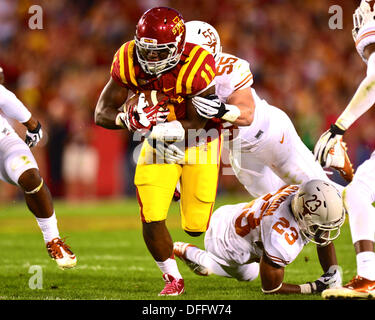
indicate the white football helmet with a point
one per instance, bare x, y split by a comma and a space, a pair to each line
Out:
363, 14
319, 211
205, 35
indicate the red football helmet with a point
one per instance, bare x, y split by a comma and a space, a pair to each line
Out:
160, 39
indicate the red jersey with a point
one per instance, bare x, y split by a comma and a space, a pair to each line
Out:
192, 74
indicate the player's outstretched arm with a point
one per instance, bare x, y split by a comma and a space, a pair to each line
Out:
272, 276
107, 107
361, 102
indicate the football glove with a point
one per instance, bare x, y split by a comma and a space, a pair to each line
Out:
326, 142
331, 279
169, 152
211, 107
168, 131
34, 136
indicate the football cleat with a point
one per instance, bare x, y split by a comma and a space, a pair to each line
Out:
357, 288
338, 159
59, 251
179, 250
173, 287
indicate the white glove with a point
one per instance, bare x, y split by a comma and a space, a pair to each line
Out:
326, 142
34, 136
331, 279
168, 131
169, 152
211, 107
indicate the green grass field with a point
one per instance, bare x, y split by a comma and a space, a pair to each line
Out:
113, 262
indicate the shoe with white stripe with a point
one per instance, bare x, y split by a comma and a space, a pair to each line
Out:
173, 286
59, 251
357, 288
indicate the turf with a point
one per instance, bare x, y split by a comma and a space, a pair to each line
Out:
113, 261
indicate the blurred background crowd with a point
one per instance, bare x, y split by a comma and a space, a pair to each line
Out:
299, 64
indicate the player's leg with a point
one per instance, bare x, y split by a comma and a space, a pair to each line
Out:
257, 178
198, 260
155, 187
286, 154
21, 169
358, 197
198, 184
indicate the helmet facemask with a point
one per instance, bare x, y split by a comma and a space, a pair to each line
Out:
166, 55
362, 15
319, 212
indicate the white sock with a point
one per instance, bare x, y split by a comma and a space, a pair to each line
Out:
202, 258
48, 227
169, 266
366, 265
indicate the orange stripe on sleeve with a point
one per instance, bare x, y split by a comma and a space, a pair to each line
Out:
244, 81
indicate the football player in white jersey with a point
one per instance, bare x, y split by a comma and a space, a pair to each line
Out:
18, 167
360, 193
266, 152
264, 236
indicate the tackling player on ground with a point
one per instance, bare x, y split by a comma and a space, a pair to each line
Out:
18, 167
360, 193
159, 59
264, 236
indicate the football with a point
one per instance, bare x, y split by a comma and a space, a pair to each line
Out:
153, 98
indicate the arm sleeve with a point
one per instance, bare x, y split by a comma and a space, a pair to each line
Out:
12, 107
362, 100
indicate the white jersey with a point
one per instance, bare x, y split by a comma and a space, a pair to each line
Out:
13, 108
233, 74
365, 37
240, 234
268, 153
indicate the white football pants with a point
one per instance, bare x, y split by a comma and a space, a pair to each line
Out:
15, 158
271, 154
358, 198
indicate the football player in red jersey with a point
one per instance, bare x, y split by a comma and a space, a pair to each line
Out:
160, 59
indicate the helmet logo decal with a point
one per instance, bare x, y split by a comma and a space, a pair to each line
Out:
371, 4
311, 206
179, 26
210, 36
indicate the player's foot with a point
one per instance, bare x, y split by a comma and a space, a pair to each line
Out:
61, 253
179, 250
340, 161
173, 287
357, 288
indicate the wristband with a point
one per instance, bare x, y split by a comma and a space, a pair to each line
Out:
232, 113
337, 130
306, 288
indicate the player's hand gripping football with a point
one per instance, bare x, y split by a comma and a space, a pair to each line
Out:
326, 142
137, 118
330, 151
34, 136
